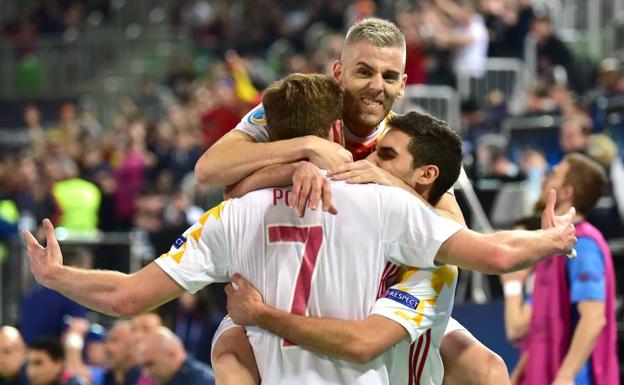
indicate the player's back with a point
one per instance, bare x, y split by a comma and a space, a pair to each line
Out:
320, 265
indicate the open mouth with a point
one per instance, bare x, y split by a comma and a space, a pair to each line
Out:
371, 102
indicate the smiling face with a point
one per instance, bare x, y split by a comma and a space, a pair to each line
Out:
372, 79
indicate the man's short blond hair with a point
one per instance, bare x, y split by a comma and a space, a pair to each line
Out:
378, 32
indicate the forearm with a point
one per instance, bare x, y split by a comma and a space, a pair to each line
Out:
583, 340
517, 317
276, 175
96, 289
520, 249
498, 253
228, 162
343, 339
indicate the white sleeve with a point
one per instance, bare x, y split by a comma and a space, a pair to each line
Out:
417, 302
200, 256
254, 124
412, 231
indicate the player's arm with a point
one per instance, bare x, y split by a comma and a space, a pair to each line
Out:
365, 171
109, 292
589, 327
517, 311
237, 155
357, 341
587, 284
275, 175
310, 185
426, 239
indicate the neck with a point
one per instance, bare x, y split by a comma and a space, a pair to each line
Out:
358, 130
563, 208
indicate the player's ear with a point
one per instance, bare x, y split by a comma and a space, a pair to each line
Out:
336, 132
402, 89
337, 70
566, 193
427, 174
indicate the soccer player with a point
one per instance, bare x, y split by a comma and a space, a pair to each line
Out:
371, 74
282, 253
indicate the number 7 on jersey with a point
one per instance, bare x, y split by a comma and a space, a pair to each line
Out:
312, 238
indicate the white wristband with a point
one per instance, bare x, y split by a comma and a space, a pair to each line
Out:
74, 341
512, 288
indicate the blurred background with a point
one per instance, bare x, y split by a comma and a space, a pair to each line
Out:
106, 105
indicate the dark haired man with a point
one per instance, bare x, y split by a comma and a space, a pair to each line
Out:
46, 364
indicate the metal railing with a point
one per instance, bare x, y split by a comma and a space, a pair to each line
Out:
68, 67
440, 101
16, 278
506, 75
583, 23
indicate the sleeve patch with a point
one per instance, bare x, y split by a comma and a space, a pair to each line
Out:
179, 242
403, 298
257, 117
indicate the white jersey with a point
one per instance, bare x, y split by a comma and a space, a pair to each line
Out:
320, 265
421, 301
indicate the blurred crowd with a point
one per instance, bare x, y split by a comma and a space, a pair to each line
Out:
137, 173
136, 351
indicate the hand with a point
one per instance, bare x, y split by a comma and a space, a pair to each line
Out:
561, 225
309, 187
244, 302
79, 326
363, 171
44, 261
325, 154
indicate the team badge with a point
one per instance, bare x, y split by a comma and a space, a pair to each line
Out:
257, 117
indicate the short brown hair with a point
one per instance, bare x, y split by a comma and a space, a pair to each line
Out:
588, 179
302, 104
432, 142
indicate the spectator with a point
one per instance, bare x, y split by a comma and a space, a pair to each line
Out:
551, 51
12, 357
131, 175
121, 356
468, 37
608, 213
574, 135
580, 293
46, 364
76, 345
163, 357
78, 199
610, 77
144, 325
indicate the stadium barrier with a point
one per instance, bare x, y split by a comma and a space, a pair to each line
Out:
124, 251
443, 102
506, 75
